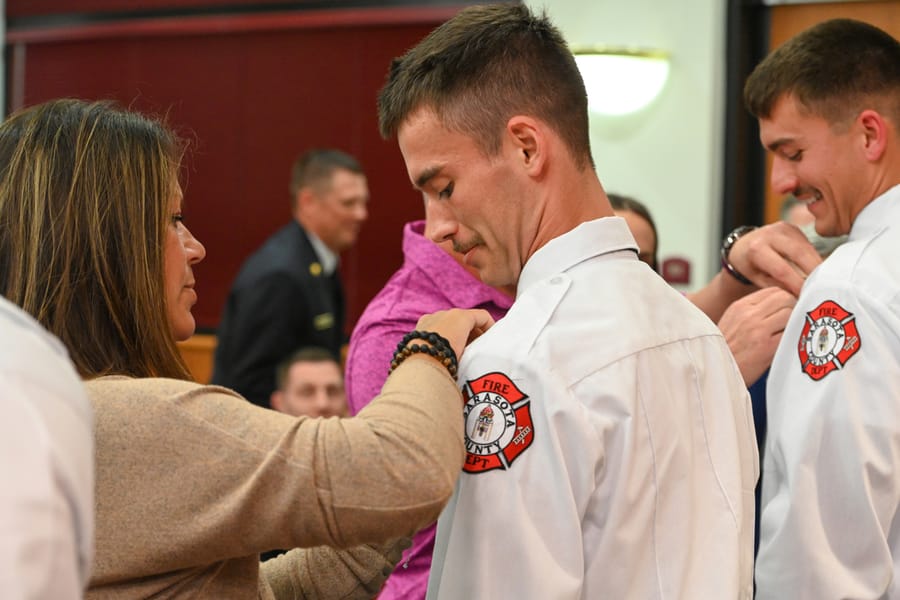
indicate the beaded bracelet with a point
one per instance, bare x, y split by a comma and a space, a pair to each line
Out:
438, 347
727, 243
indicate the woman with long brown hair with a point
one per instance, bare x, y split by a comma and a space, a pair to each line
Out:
193, 482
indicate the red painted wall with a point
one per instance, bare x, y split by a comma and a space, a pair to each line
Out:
251, 94
27, 8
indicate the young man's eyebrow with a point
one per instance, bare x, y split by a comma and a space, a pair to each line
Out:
426, 175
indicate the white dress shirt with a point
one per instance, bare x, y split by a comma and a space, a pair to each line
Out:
610, 438
831, 476
46, 465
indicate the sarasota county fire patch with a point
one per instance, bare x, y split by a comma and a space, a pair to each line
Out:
828, 340
498, 423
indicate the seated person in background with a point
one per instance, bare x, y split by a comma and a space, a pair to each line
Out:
47, 465
310, 382
193, 482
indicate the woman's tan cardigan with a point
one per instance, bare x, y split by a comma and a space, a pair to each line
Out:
193, 482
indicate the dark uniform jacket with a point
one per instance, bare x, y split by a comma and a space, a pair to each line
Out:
280, 302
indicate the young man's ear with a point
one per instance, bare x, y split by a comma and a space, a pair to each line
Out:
528, 137
875, 131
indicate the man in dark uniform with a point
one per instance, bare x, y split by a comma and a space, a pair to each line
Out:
288, 295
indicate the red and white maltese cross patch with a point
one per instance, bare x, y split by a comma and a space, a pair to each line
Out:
828, 340
498, 423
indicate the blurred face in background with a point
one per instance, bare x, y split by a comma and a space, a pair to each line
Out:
335, 211
312, 388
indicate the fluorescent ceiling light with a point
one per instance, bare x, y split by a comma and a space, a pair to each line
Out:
621, 80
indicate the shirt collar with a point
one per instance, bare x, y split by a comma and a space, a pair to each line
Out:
875, 214
589, 239
327, 258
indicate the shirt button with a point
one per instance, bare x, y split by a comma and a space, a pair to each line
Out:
556, 280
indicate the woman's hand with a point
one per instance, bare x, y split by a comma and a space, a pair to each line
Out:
459, 326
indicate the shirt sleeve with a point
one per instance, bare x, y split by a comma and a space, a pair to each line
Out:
830, 485
261, 479
323, 572
526, 518
46, 504
626, 469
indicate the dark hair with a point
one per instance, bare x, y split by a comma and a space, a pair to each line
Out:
314, 167
833, 69
84, 205
483, 66
313, 354
620, 202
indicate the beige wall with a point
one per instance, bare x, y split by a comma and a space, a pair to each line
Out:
670, 154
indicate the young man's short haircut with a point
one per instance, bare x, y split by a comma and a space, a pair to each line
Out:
484, 66
833, 69
316, 166
313, 354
